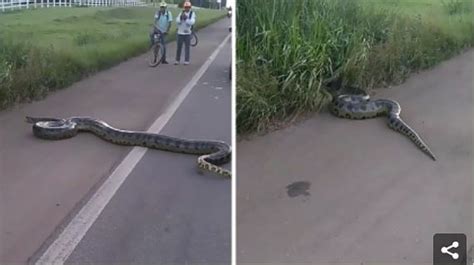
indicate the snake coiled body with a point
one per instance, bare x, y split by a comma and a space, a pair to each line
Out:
211, 153
360, 107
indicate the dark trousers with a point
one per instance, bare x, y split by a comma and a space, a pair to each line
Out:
186, 39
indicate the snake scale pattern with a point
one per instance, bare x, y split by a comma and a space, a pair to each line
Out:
360, 107
211, 153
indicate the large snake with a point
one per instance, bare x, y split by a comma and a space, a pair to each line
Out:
360, 107
212, 153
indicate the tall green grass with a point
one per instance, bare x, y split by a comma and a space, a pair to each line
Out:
287, 50
47, 49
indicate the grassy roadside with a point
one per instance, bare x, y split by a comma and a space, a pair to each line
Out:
288, 49
50, 48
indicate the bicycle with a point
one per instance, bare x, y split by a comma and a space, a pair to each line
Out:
157, 50
194, 38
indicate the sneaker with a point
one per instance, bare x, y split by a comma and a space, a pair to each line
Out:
186, 63
164, 62
176, 63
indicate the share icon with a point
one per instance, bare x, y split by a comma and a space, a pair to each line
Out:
445, 250
449, 249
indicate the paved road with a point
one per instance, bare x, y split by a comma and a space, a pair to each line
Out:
42, 182
365, 193
167, 213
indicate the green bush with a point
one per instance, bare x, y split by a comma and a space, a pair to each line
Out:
69, 44
301, 44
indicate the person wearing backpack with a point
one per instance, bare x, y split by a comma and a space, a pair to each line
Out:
163, 19
185, 22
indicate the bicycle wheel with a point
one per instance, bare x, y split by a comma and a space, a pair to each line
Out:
156, 55
194, 39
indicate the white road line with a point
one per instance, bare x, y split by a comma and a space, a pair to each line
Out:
58, 252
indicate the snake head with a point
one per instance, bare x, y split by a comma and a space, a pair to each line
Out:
33, 120
52, 128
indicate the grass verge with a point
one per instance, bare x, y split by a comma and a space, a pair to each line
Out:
288, 50
50, 48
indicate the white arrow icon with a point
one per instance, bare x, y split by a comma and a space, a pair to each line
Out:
445, 250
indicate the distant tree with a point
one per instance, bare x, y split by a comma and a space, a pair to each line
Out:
203, 3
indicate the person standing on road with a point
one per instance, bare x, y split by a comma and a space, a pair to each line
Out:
163, 19
185, 22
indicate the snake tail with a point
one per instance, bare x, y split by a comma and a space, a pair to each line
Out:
397, 124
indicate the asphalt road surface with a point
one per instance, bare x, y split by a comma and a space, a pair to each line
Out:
43, 184
165, 212
336, 191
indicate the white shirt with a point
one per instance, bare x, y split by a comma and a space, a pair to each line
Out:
184, 27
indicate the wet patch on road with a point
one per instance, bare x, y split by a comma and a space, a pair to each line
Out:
298, 188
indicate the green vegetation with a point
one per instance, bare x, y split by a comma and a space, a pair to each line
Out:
50, 48
288, 50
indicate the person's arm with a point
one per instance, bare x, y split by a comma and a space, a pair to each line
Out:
154, 19
178, 19
192, 20
170, 20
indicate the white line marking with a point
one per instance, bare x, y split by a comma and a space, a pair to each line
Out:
58, 252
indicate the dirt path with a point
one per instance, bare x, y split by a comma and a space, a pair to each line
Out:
366, 193
42, 181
